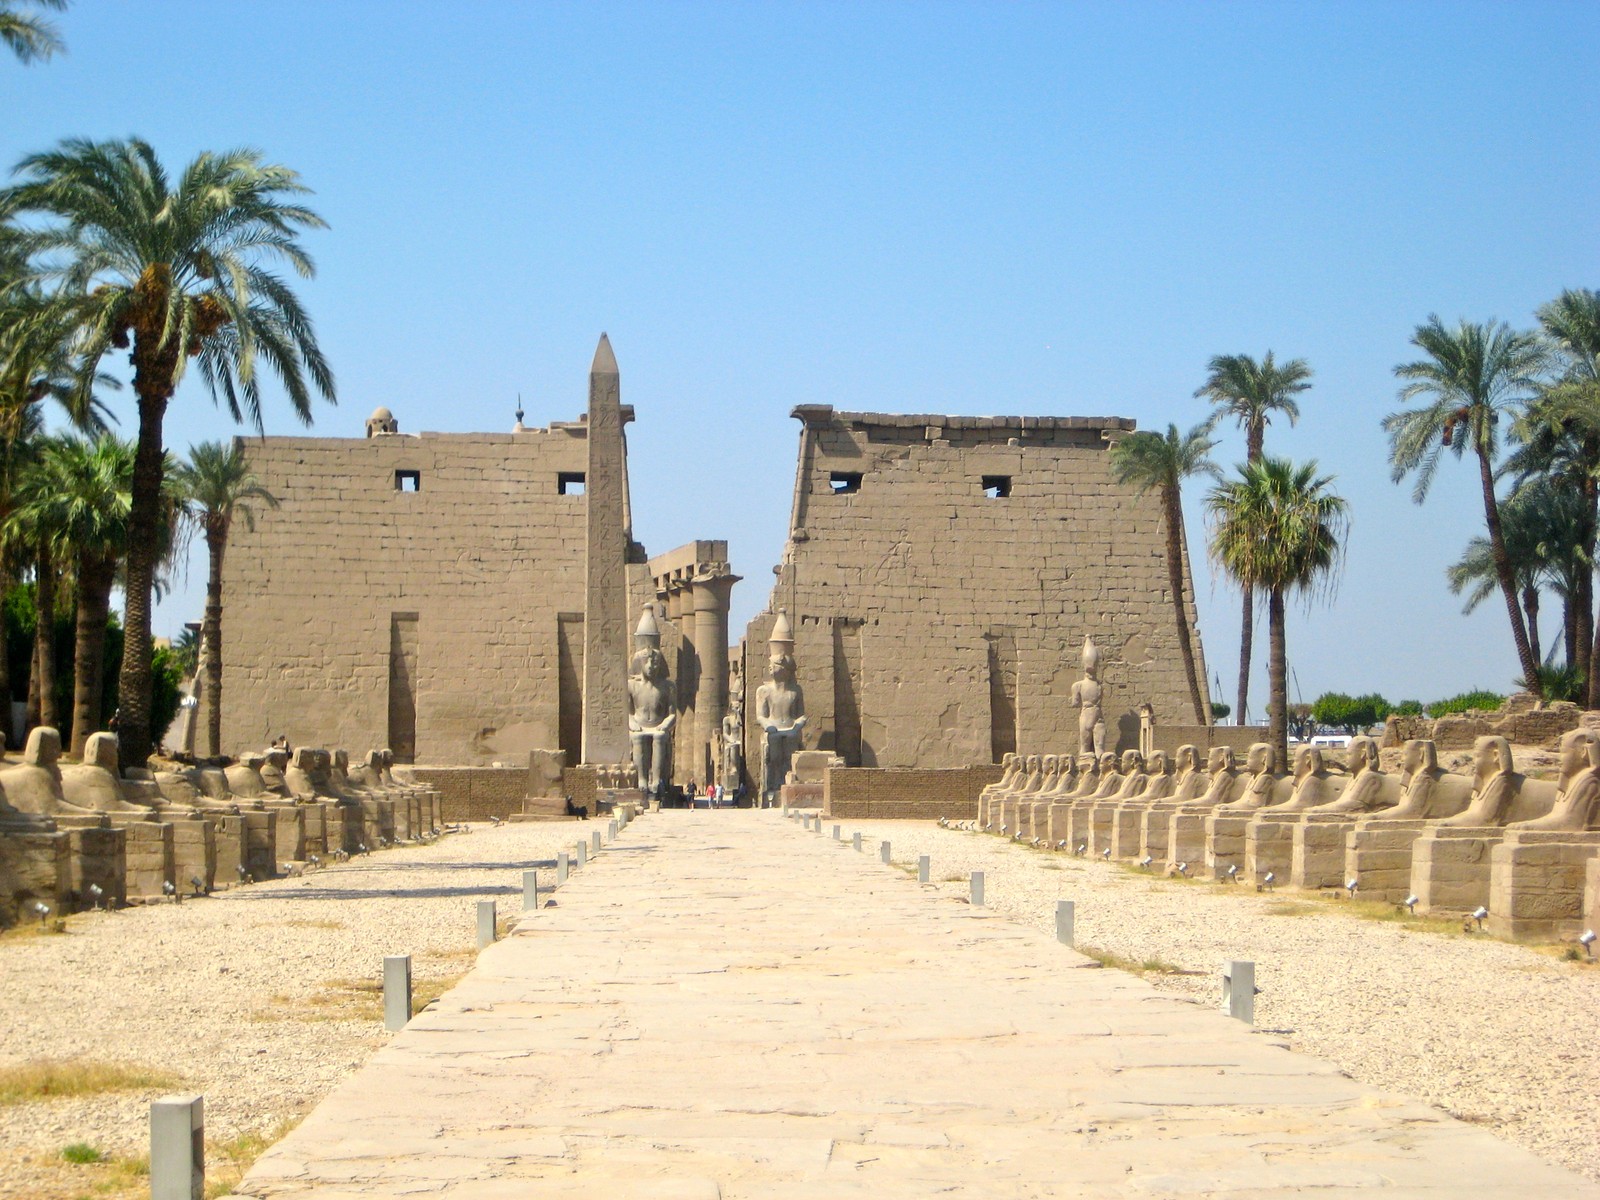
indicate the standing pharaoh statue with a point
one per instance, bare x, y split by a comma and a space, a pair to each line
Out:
652, 708
780, 710
1087, 694
732, 766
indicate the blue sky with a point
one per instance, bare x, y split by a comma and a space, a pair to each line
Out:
1061, 209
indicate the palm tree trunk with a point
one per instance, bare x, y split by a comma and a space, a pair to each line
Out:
153, 382
1583, 602
95, 577
1530, 605
1245, 636
44, 635
1277, 676
211, 644
1175, 580
5, 655
1502, 570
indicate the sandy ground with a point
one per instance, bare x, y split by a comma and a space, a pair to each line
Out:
264, 997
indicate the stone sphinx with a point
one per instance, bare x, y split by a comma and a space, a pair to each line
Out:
1313, 784
1543, 872
272, 768
244, 778
1577, 807
35, 785
1010, 765
1190, 780
1425, 791
1110, 777
1127, 821
95, 783
1087, 696
652, 708
1369, 789
1495, 788
780, 709
1088, 776
1134, 777
1159, 778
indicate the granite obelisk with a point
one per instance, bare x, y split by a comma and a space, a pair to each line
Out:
605, 611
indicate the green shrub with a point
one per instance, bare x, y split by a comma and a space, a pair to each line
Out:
82, 1152
1487, 701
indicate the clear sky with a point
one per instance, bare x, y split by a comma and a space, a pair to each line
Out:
986, 208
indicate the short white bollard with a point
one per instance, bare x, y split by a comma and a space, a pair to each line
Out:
1064, 920
583, 854
611, 832
923, 865
1239, 990
563, 868
594, 841
883, 851
855, 841
396, 991
530, 890
836, 833
487, 917
178, 1148
977, 889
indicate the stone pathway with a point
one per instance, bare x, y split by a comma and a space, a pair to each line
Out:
726, 1006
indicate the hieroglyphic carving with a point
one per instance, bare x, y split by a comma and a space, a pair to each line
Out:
605, 625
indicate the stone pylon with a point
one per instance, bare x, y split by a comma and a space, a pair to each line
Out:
605, 612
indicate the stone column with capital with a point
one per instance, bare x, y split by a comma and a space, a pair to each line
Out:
711, 599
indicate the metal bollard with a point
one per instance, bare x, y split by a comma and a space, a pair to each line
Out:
178, 1148
486, 922
530, 890
977, 889
923, 865
855, 841
563, 868
583, 854
611, 832
1239, 990
836, 833
594, 841
883, 851
1064, 920
396, 991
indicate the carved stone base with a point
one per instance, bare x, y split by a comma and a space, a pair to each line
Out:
1224, 845
1186, 840
1269, 848
1319, 851
100, 857
35, 864
1378, 855
261, 842
1450, 868
1591, 895
1127, 829
1536, 884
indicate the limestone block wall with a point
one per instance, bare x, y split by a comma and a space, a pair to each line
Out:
865, 793
941, 574
419, 592
477, 793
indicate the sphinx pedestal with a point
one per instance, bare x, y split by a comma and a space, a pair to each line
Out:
1127, 828
1098, 831
1186, 838
261, 842
1450, 867
35, 864
1225, 842
1536, 883
1318, 854
1269, 848
150, 858
1591, 894
100, 857
1378, 855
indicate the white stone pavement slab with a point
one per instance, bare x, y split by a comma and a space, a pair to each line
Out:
721, 1006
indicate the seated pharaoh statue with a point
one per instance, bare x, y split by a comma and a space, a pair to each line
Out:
1369, 789
1495, 788
1577, 807
34, 786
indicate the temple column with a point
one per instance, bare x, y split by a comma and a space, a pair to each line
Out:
711, 597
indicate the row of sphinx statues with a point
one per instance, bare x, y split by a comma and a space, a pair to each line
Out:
1437, 840
89, 834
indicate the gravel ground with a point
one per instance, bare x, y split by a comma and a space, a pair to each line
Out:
1497, 1034
251, 997
248, 996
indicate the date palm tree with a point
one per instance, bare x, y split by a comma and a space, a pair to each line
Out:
30, 37
217, 486
1148, 460
172, 270
1250, 392
81, 495
1280, 528
1471, 377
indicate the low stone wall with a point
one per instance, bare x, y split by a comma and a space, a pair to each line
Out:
476, 793
1240, 738
889, 793
1522, 720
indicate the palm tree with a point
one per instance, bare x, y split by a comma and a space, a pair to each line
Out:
1148, 460
174, 271
1471, 375
1277, 527
31, 38
217, 485
1250, 392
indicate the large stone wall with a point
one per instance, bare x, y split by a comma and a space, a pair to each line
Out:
358, 612
477, 793
939, 624
866, 793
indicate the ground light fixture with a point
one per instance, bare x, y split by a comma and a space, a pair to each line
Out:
1411, 903
1586, 940
1478, 914
95, 894
1233, 872
1106, 854
1271, 878
1350, 885
43, 909
1146, 861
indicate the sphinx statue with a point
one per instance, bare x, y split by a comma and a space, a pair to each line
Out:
1496, 785
244, 778
1369, 789
780, 709
1159, 778
1134, 777
1066, 777
1088, 776
1313, 785
1110, 777
1189, 783
652, 707
1258, 764
1424, 792
1224, 779
272, 770
1010, 765
1577, 806
95, 783
1087, 695
35, 785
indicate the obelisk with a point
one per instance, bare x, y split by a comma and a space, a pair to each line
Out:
605, 605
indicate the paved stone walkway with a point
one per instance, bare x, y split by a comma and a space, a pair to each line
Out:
726, 1006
